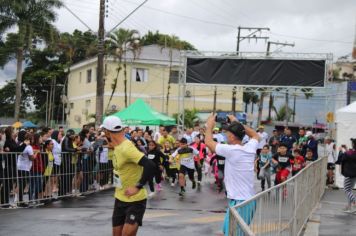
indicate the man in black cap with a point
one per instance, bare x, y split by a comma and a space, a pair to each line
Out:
239, 164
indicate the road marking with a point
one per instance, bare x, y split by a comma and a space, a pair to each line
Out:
209, 219
150, 215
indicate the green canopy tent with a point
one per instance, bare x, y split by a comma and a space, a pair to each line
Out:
140, 113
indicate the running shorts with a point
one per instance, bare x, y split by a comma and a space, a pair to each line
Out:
128, 212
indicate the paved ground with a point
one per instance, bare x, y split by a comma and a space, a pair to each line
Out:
199, 213
329, 219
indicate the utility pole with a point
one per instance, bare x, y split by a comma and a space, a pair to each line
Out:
250, 35
100, 72
233, 108
215, 94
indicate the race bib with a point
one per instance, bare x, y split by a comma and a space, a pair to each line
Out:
117, 181
151, 156
221, 162
297, 166
187, 160
50, 164
283, 159
264, 159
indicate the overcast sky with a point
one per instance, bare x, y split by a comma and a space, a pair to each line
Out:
211, 25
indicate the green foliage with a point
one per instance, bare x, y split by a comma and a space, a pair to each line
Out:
282, 113
166, 40
190, 117
77, 46
7, 100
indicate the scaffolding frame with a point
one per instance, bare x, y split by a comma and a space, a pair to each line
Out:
328, 57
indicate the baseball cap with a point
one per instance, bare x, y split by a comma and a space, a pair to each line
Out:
236, 129
70, 132
112, 123
183, 140
261, 127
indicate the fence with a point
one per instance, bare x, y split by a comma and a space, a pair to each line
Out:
25, 182
283, 209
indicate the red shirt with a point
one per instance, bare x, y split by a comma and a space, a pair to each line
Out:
298, 163
37, 163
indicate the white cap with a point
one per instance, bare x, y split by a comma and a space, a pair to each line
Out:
112, 123
309, 133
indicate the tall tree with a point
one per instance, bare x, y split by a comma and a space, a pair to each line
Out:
33, 19
121, 42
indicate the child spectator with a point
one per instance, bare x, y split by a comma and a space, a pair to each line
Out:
297, 162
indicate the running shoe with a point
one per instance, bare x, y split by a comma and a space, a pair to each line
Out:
181, 193
151, 194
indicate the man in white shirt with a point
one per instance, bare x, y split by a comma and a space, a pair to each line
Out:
263, 138
239, 165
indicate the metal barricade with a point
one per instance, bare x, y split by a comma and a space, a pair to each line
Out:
283, 209
48, 178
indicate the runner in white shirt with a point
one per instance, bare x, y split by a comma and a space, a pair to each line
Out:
239, 165
185, 155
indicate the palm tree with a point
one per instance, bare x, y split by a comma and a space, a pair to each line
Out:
34, 19
121, 42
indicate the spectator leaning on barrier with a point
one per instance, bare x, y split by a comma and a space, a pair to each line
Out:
239, 164
132, 170
312, 144
348, 170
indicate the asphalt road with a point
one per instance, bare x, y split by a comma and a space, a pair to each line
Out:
200, 212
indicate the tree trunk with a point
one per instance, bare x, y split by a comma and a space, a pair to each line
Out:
125, 84
19, 57
270, 105
260, 108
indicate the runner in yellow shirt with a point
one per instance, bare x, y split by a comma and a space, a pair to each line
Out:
131, 172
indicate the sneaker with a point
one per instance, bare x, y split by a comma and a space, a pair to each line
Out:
347, 209
173, 184
158, 187
151, 194
181, 193
194, 185
199, 183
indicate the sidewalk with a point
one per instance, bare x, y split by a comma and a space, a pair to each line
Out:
329, 219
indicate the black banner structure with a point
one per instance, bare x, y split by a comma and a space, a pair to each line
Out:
256, 72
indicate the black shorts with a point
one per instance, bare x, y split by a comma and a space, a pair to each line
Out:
128, 212
331, 166
185, 170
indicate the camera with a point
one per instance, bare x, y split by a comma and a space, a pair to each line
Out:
222, 119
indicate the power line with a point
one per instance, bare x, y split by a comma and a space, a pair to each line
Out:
118, 24
78, 18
